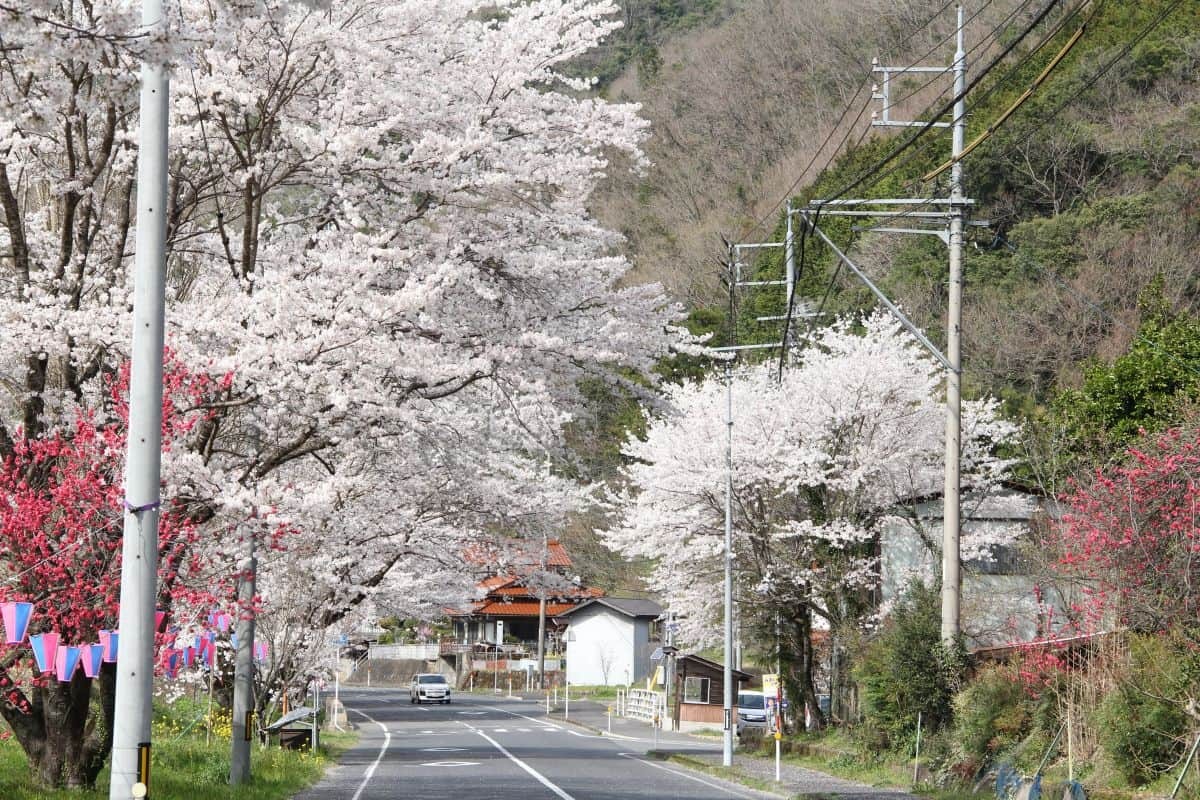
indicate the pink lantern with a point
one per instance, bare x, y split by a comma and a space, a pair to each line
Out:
45, 650
16, 620
66, 661
92, 655
108, 640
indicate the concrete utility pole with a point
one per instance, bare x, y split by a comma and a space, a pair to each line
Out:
948, 219
951, 524
243, 673
735, 281
130, 774
727, 737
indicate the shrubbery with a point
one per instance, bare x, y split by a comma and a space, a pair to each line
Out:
1141, 725
906, 670
992, 714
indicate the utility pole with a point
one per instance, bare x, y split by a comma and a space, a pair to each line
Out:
951, 524
727, 737
541, 648
735, 281
130, 774
243, 672
947, 221
541, 644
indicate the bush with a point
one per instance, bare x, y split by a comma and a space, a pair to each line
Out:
906, 671
1142, 726
992, 714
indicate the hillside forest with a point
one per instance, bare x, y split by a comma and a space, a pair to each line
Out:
1081, 331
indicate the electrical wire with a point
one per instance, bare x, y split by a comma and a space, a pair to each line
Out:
984, 42
911, 140
912, 185
1020, 101
866, 80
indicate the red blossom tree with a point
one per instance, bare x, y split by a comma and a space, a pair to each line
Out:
61, 515
1132, 538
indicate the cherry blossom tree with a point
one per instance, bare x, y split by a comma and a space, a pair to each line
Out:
378, 223
822, 458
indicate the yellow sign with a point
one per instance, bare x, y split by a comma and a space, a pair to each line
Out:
657, 678
770, 684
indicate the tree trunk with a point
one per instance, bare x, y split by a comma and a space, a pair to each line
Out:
803, 668
65, 743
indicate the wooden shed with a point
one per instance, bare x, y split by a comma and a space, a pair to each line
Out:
700, 693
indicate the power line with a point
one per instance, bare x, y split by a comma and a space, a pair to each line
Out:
914, 183
911, 140
866, 80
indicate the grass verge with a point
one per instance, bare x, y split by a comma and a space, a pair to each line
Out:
185, 768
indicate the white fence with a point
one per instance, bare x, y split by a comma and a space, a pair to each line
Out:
403, 652
645, 705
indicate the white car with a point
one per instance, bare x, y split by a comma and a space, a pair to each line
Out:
751, 711
428, 686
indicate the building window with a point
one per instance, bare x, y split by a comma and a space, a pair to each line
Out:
695, 689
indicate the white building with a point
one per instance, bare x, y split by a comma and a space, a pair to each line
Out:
609, 640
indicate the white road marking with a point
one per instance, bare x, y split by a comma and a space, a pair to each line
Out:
546, 725
542, 779
451, 764
422, 708
442, 749
710, 784
499, 730
387, 739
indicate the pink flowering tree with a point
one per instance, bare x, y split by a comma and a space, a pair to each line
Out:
1131, 541
61, 508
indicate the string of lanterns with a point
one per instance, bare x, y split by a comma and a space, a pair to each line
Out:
51, 655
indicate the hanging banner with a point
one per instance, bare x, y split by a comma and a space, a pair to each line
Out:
159, 616
45, 649
108, 640
16, 620
189, 655
66, 661
92, 655
260, 651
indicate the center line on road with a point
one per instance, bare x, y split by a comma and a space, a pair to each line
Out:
387, 739
541, 778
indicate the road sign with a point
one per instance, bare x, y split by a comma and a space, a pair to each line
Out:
657, 655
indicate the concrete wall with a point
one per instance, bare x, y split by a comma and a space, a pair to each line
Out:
599, 637
403, 652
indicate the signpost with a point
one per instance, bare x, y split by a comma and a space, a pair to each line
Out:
773, 697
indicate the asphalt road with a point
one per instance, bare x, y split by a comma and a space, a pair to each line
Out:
502, 750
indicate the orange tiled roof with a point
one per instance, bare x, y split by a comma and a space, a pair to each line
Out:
501, 609
556, 554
